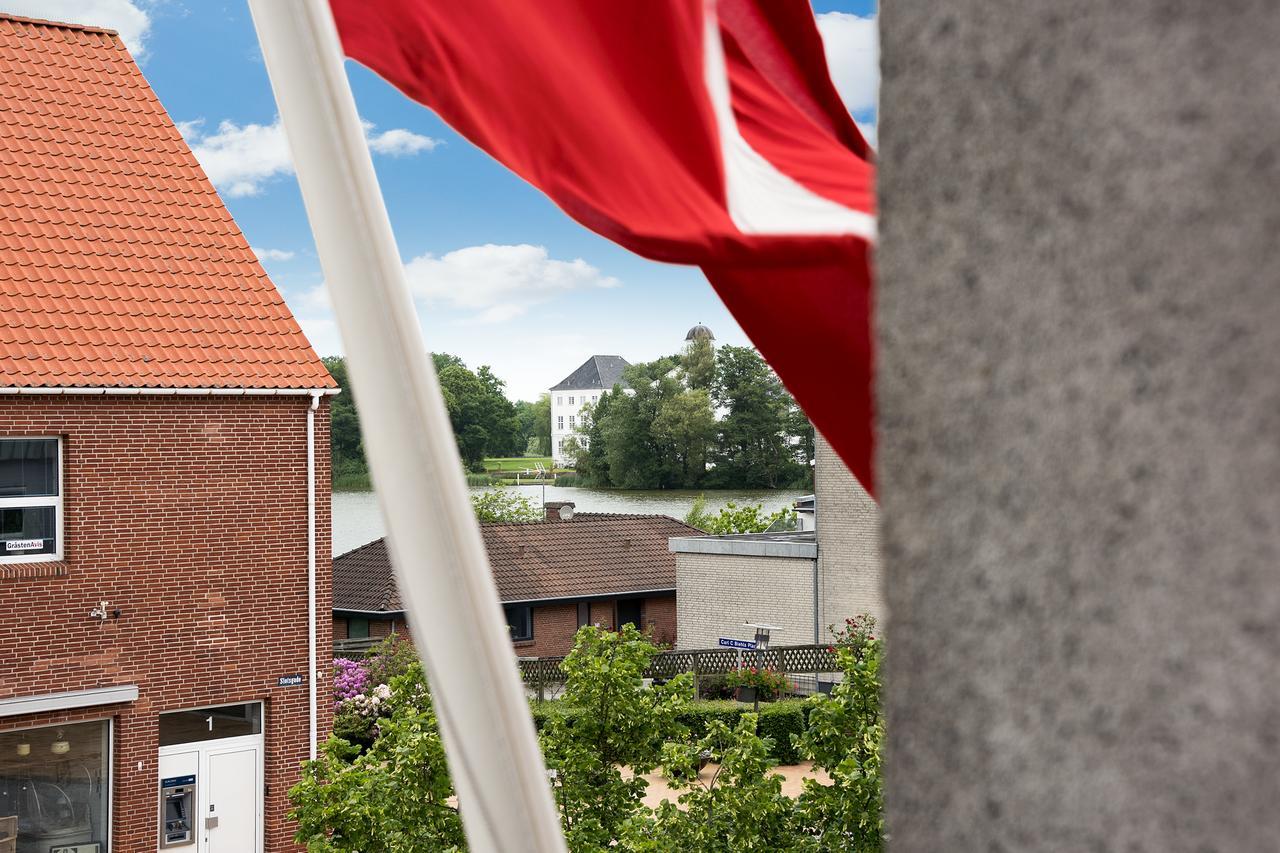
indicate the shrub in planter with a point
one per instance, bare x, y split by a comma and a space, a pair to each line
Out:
767, 682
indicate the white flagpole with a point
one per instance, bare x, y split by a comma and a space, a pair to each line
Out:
440, 562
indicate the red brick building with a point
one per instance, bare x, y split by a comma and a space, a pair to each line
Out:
553, 577
164, 476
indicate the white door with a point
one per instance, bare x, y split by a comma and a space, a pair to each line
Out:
232, 799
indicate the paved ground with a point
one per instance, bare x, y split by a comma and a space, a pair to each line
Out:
793, 776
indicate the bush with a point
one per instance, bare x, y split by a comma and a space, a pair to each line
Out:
768, 682
779, 722
697, 716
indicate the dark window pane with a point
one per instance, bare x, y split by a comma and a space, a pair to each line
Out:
26, 530
520, 621
210, 723
584, 613
357, 629
28, 467
629, 611
54, 780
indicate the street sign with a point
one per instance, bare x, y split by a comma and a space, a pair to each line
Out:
289, 680
736, 644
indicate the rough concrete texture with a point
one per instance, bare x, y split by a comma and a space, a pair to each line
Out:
1079, 397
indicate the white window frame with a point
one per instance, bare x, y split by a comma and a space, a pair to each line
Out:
559, 422
570, 401
55, 502
571, 426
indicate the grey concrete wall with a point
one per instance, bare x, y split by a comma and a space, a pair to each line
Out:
848, 531
1078, 317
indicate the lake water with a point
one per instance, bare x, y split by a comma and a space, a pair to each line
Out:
357, 520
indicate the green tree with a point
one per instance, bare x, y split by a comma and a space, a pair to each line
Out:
500, 505
844, 738
686, 426
740, 808
484, 421
346, 445
735, 519
698, 364
621, 724
393, 797
592, 462
753, 449
535, 426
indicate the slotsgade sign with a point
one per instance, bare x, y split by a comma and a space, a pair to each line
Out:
737, 644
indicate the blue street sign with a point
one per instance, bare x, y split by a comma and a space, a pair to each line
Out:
737, 644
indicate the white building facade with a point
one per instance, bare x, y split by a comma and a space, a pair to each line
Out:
576, 391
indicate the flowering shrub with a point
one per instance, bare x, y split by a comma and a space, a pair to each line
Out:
350, 678
768, 682
854, 635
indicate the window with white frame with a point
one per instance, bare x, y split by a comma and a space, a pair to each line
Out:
559, 421
595, 398
30, 499
570, 421
570, 401
559, 401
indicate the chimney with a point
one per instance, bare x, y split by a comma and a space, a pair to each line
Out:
558, 510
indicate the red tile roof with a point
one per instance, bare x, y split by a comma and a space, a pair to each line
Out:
595, 554
119, 264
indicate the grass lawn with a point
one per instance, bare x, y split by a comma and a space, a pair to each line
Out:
516, 463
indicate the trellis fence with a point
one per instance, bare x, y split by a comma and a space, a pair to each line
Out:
539, 673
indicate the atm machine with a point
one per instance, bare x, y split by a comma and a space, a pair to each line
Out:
178, 805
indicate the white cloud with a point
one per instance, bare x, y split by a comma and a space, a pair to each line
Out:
852, 46
499, 283
272, 254
242, 159
399, 142
127, 17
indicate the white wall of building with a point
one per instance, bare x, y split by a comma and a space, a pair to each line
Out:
566, 415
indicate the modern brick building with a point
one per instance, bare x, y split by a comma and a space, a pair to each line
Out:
164, 476
553, 577
801, 582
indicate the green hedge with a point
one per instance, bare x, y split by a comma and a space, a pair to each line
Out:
778, 720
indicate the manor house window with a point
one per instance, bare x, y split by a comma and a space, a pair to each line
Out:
30, 500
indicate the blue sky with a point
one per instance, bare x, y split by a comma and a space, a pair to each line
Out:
501, 276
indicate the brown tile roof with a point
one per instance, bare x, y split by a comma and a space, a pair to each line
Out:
595, 554
119, 264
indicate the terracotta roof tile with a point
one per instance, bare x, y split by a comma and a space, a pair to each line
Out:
595, 554
119, 264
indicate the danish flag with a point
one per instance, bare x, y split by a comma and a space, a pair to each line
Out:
702, 132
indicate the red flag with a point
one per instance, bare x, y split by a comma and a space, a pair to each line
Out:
700, 132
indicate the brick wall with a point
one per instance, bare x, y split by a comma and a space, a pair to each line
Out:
188, 514
660, 619
717, 593
848, 527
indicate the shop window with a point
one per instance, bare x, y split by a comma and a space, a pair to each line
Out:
357, 629
200, 724
30, 500
55, 787
520, 621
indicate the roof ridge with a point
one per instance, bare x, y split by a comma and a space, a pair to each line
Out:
66, 25
380, 539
